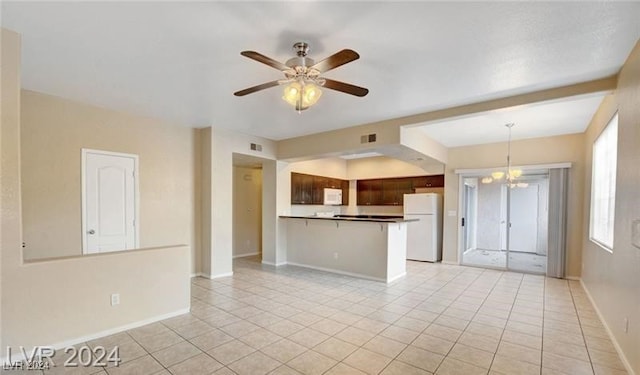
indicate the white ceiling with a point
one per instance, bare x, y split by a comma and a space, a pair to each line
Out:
544, 119
180, 61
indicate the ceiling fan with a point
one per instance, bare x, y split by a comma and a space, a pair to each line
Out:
303, 76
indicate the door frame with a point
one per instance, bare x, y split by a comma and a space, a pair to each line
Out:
462, 174
474, 172
136, 197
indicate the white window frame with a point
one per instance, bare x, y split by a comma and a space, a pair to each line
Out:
603, 185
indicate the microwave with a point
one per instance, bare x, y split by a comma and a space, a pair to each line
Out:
332, 197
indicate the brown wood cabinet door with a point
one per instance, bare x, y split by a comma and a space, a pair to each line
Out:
376, 192
370, 192
344, 185
390, 192
319, 183
435, 180
405, 186
296, 188
428, 181
362, 192
301, 188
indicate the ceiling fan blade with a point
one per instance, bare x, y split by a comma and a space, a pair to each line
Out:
336, 60
253, 89
345, 87
265, 60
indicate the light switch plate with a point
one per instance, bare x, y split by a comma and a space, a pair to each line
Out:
635, 233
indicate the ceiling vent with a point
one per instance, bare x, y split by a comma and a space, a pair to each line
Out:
368, 138
256, 147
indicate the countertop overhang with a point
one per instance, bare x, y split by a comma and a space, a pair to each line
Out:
335, 218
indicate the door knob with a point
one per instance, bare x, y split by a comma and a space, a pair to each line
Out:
91, 231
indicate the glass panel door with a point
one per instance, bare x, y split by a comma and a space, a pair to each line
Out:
505, 224
483, 233
529, 222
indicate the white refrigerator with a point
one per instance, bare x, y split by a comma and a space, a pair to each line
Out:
424, 237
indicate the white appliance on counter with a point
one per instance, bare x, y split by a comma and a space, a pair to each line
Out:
332, 197
424, 237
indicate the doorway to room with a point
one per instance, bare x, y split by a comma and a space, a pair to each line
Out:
247, 206
509, 224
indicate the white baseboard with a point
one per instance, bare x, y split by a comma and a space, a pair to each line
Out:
397, 277
574, 278
450, 262
221, 275
245, 255
359, 275
274, 264
623, 358
199, 274
18, 356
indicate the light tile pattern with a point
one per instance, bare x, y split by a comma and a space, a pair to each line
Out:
439, 319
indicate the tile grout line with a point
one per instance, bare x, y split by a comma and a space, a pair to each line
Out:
471, 320
584, 340
390, 324
515, 297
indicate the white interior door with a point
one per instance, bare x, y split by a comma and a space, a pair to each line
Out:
109, 201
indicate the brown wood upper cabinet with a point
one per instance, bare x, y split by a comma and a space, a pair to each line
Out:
391, 191
428, 181
369, 192
309, 189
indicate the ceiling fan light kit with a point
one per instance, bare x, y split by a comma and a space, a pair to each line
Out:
301, 94
302, 76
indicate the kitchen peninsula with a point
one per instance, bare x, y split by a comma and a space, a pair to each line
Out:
370, 247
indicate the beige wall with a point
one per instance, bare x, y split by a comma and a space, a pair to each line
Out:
218, 187
53, 132
247, 211
327, 167
381, 167
56, 302
613, 279
205, 196
566, 148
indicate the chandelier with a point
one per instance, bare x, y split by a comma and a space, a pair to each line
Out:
511, 175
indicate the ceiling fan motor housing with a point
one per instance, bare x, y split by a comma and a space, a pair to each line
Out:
300, 61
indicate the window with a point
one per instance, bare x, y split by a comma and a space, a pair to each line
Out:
603, 185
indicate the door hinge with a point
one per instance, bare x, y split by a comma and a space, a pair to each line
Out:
463, 222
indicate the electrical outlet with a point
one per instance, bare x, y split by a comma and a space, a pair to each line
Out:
626, 325
335, 255
115, 299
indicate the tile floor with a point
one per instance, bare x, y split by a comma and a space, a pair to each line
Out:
518, 261
440, 319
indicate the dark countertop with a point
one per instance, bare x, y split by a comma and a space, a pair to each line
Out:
366, 218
